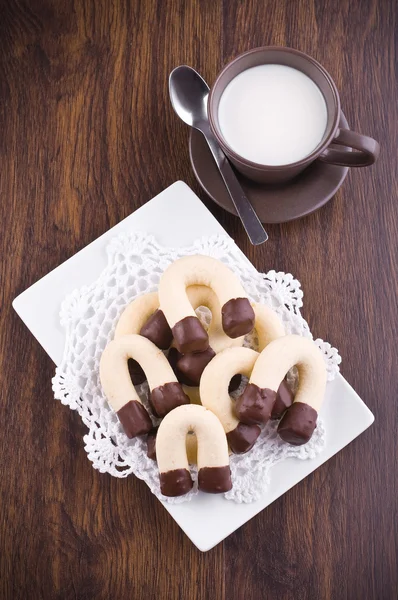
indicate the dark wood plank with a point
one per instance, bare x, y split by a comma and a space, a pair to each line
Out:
87, 136
333, 535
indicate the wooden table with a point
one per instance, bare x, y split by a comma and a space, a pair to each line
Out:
87, 135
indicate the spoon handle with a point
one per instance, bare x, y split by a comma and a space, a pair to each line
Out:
254, 229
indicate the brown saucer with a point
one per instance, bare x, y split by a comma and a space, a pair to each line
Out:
274, 204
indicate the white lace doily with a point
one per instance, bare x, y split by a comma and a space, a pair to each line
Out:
89, 315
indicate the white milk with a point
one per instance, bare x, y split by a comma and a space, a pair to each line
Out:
272, 114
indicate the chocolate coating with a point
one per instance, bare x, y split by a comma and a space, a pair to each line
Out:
234, 383
151, 444
190, 335
193, 365
243, 437
237, 317
255, 405
136, 372
157, 330
173, 357
166, 397
134, 419
298, 424
284, 399
215, 480
175, 483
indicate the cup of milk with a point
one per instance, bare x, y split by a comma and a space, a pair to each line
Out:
275, 110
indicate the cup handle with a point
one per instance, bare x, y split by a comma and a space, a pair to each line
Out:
365, 153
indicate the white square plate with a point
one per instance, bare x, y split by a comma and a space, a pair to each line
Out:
207, 519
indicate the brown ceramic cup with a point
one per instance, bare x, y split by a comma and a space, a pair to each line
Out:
365, 150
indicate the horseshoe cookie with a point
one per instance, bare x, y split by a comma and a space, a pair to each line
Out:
214, 474
236, 310
214, 395
256, 403
191, 444
165, 391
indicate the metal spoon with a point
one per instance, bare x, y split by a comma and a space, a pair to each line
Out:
189, 93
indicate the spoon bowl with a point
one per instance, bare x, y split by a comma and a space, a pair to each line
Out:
189, 93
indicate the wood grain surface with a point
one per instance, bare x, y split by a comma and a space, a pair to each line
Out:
87, 135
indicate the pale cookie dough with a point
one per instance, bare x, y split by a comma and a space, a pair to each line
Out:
214, 474
267, 324
191, 445
142, 316
255, 404
136, 314
189, 334
165, 391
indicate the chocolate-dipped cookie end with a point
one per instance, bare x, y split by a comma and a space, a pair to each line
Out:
215, 480
134, 419
243, 437
175, 483
254, 406
157, 330
166, 397
298, 424
190, 335
192, 365
237, 317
